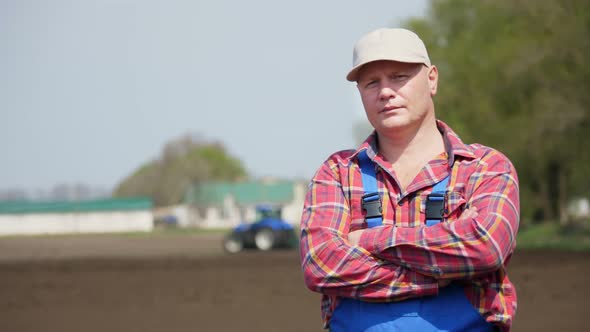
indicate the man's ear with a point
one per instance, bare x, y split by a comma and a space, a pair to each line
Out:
433, 80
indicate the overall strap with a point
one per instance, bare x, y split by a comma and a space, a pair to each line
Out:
435, 202
448, 311
371, 200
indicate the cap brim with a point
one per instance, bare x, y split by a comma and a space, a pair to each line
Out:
353, 74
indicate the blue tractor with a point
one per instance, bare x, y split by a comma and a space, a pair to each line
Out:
268, 232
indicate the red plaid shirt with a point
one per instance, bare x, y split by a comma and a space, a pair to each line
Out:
404, 258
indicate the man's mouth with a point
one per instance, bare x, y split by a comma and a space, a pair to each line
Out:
389, 108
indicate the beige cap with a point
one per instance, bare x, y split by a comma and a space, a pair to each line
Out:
387, 44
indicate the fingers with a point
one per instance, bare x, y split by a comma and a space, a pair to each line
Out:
354, 237
443, 283
470, 212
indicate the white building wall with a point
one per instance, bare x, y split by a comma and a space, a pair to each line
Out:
182, 213
231, 212
231, 215
292, 212
86, 222
212, 217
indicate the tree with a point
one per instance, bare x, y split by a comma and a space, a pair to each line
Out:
183, 162
514, 75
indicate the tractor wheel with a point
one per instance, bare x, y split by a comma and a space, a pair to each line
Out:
233, 243
265, 239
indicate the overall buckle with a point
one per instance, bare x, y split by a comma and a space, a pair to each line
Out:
371, 203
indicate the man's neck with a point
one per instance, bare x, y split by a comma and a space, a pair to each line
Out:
412, 144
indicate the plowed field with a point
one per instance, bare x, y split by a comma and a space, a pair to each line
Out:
172, 283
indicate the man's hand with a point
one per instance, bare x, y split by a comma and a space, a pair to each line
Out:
470, 212
443, 283
355, 236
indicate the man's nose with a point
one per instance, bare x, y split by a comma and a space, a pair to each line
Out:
387, 93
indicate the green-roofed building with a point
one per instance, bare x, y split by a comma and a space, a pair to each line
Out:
109, 205
90, 216
225, 204
243, 193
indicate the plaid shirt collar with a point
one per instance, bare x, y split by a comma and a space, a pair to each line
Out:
453, 145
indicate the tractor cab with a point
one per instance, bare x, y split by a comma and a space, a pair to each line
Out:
268, 211
269, 231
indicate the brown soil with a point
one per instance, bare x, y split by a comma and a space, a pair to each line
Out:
186, 283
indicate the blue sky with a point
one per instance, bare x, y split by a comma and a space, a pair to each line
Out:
90, 90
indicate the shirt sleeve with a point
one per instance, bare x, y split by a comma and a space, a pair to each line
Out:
332, 266
464, 248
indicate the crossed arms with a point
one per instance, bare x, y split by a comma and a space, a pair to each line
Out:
394, 263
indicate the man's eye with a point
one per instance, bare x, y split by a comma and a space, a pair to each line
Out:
400, 77
371, 84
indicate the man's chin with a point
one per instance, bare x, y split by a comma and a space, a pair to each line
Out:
396, 123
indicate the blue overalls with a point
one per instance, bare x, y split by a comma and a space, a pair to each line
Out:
448, 311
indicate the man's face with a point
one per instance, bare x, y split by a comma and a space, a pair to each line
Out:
397, 95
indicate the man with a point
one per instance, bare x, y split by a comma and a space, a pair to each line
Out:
409, 271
